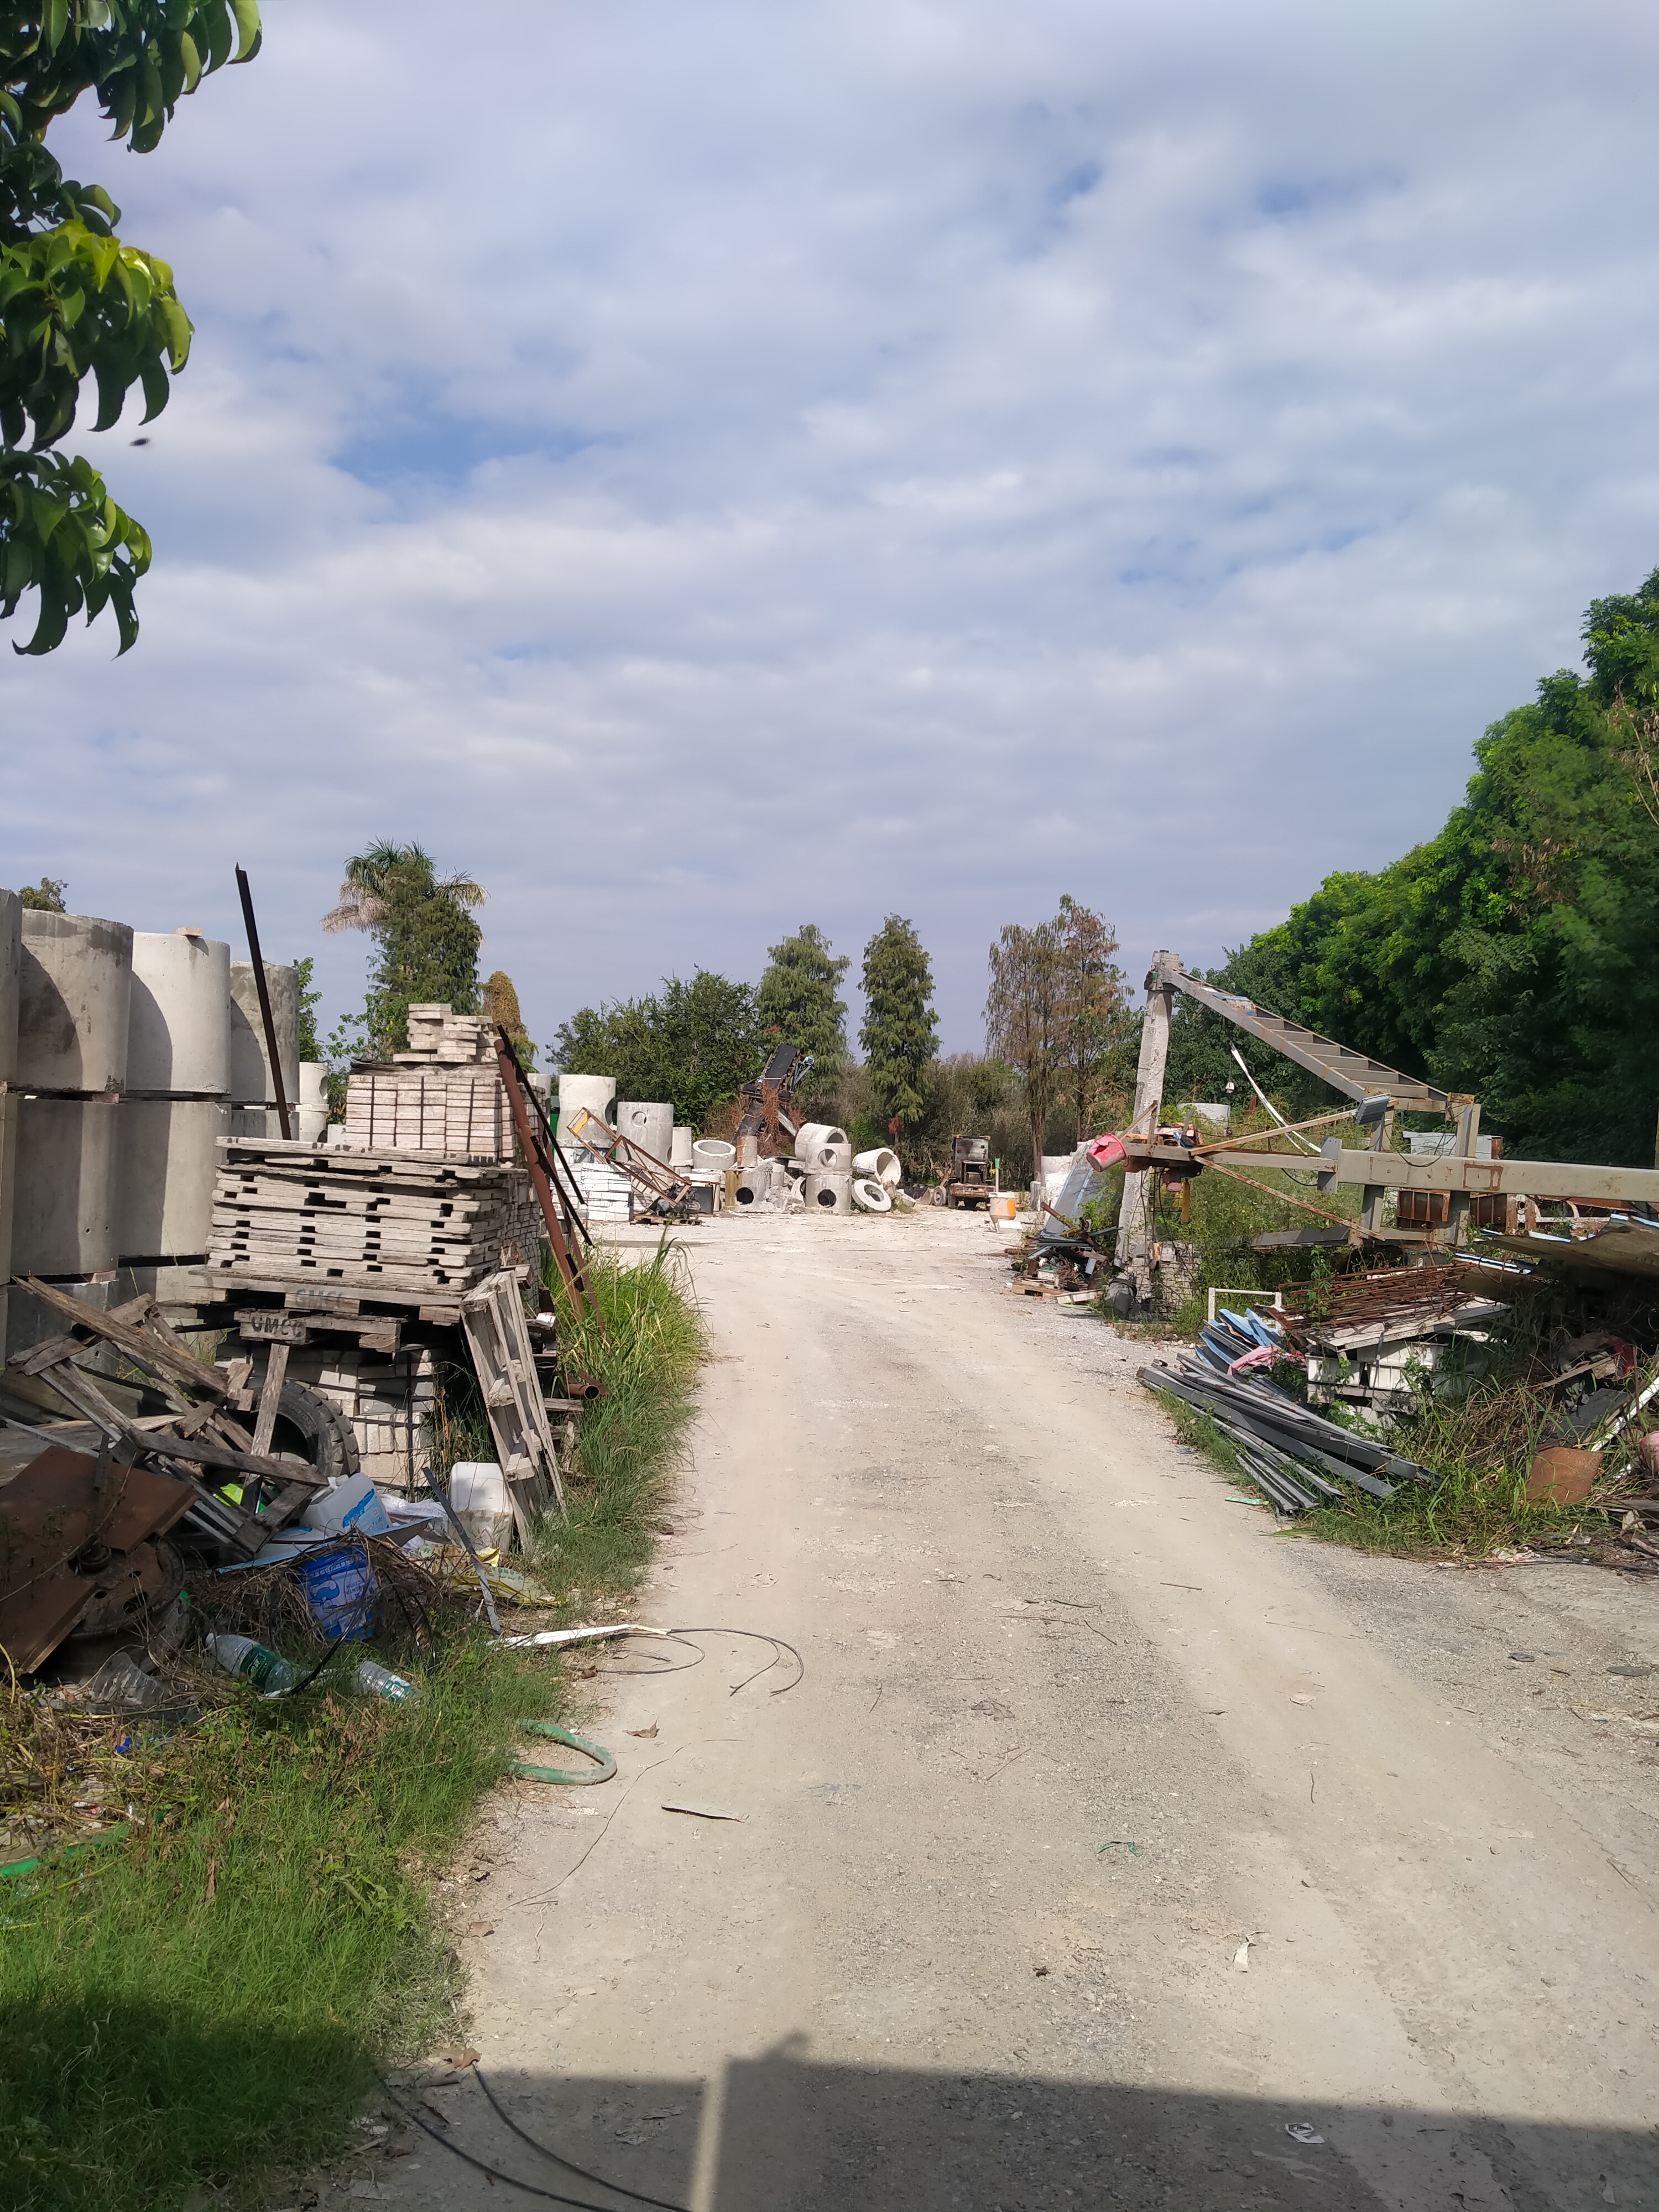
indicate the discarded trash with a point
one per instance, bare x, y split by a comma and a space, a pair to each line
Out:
457, 2057
377, 1682
704, 1811
1562, 1476
121, 1684
256, 1662
354, 1508
479, 1500
1302, 2131
1118, 1844
602, 1772
1242, 1958
648, 1732
340, 1589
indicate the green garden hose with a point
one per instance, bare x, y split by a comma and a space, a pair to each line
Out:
602, 1772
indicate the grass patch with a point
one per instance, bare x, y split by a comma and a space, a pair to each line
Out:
647, 1355
219, 1991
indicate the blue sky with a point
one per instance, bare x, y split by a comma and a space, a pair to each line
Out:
702, 471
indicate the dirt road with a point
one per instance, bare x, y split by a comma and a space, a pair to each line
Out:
1109, 1836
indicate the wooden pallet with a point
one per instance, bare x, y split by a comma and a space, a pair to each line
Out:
493, 1317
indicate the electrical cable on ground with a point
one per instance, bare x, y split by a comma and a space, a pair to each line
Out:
756, 1636
660, 2203
530, 2187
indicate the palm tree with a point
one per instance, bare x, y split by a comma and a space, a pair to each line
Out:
369, 876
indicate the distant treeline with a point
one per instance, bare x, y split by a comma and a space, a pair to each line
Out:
1515, 954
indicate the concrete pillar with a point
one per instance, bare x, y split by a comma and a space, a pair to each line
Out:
75, 994
250, 1069
179, 1032
1133, 1244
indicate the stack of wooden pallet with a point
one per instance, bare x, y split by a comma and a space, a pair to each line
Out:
399, 1224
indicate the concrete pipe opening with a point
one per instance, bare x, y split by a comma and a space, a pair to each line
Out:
814, 1134
827, 1193
883, 1164
713, 1155
834, 1159
871, 1196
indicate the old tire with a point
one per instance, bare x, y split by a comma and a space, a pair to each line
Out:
310, 1428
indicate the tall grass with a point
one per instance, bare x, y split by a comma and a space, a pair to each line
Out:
647, 1356
219, 1991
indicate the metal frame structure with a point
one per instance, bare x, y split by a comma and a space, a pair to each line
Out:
1379, 1092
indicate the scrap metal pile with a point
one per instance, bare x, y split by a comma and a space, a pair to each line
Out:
1296, 1457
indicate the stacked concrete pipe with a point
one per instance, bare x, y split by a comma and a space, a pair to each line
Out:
828, 1190
596, 1093
74, 999
647, 1123
175, 1106
11, 957
314, 1101
252, 1093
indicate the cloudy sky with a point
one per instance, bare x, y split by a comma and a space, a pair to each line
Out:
703, 468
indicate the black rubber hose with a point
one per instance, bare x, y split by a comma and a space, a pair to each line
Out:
558, 2157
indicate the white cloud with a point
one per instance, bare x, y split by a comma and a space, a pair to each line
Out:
703, 470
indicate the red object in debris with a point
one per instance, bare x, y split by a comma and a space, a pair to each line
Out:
1107, 1152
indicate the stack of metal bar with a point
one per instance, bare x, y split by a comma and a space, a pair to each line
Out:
1296, 1457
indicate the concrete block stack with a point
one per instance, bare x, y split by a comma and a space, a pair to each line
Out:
443, 1095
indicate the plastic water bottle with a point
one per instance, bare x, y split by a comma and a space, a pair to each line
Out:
256, 1662
377, 1682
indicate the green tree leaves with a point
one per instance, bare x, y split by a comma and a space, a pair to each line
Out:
63, 536
75, 302
798, 1000
428, 942
695, 1044
1513, 954
900, 1033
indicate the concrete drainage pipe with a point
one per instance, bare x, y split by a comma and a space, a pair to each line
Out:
883, 1164
827, 1193
713, 1156
753, 1184
811, 1139
872, 1197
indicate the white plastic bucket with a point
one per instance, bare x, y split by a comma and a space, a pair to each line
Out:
479, 1499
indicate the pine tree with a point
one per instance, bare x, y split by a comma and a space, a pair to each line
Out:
501, 1004
797, 1000
900, 1034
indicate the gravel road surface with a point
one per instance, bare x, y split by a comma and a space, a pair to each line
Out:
1114, 1847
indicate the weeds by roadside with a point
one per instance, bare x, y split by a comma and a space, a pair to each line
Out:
647, 1357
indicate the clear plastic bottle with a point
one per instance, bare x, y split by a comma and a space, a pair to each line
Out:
256, 1662
377, 1682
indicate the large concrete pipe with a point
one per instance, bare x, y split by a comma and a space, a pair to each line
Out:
314, 1101
713, 1156
179, 1030
679, 1147
75, 994
250, 1065
168, 1157
813, 1136
883, 1164
11, 961
753, 1184
827, 1193
63, 1213
648, 1124
598, 1093
871, 1196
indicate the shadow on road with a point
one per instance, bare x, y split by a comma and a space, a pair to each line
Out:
784, 2134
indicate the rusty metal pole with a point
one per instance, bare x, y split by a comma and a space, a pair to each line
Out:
265, 1002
